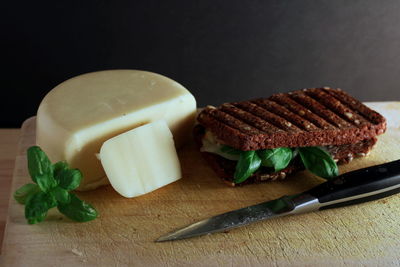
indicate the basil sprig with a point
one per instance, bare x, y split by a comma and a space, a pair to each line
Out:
315, 159
319, 162
52, 183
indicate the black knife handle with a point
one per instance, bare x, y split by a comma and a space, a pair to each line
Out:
359, 186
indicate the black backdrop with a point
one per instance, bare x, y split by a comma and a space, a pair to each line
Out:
220, 50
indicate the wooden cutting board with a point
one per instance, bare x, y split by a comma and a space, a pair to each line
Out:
124, 234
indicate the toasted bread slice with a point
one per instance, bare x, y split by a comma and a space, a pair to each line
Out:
308, 117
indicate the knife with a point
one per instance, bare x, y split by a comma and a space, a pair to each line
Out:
354, 187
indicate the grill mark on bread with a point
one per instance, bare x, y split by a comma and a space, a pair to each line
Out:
233, 122
361, 109
283, 112
267, 116
301, 110
251, 119
215, 124
225, 134
319, 109
337, 106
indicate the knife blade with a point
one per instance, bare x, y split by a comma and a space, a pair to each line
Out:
351, 188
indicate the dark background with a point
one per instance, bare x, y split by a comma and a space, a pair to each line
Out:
220, 50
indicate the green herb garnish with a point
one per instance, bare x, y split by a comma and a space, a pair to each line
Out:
77, 210
315, 159
52, 183
319, 162
248, 163
277, 158
25, 192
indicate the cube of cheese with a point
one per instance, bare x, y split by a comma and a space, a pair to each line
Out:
79, 115
141, 160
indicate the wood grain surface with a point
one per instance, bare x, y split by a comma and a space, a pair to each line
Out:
365, 234
8, 151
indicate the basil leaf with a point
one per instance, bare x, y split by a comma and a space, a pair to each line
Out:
230, 150
59, 166
46, 182
25, 192
277, 158
38, 163
37, 206
69, 179
78, 210
248, 163
61, 195
319, 162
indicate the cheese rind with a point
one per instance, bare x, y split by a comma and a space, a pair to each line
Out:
141, 160
79, 115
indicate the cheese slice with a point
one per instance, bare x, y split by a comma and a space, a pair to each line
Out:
79, 115
141, 160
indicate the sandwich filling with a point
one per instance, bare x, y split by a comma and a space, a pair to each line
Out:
277, 162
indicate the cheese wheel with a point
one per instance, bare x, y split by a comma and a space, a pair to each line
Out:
79, 115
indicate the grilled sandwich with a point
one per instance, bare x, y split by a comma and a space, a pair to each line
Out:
303, 128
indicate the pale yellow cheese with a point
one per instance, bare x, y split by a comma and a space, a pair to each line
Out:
79, 115
141, 160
